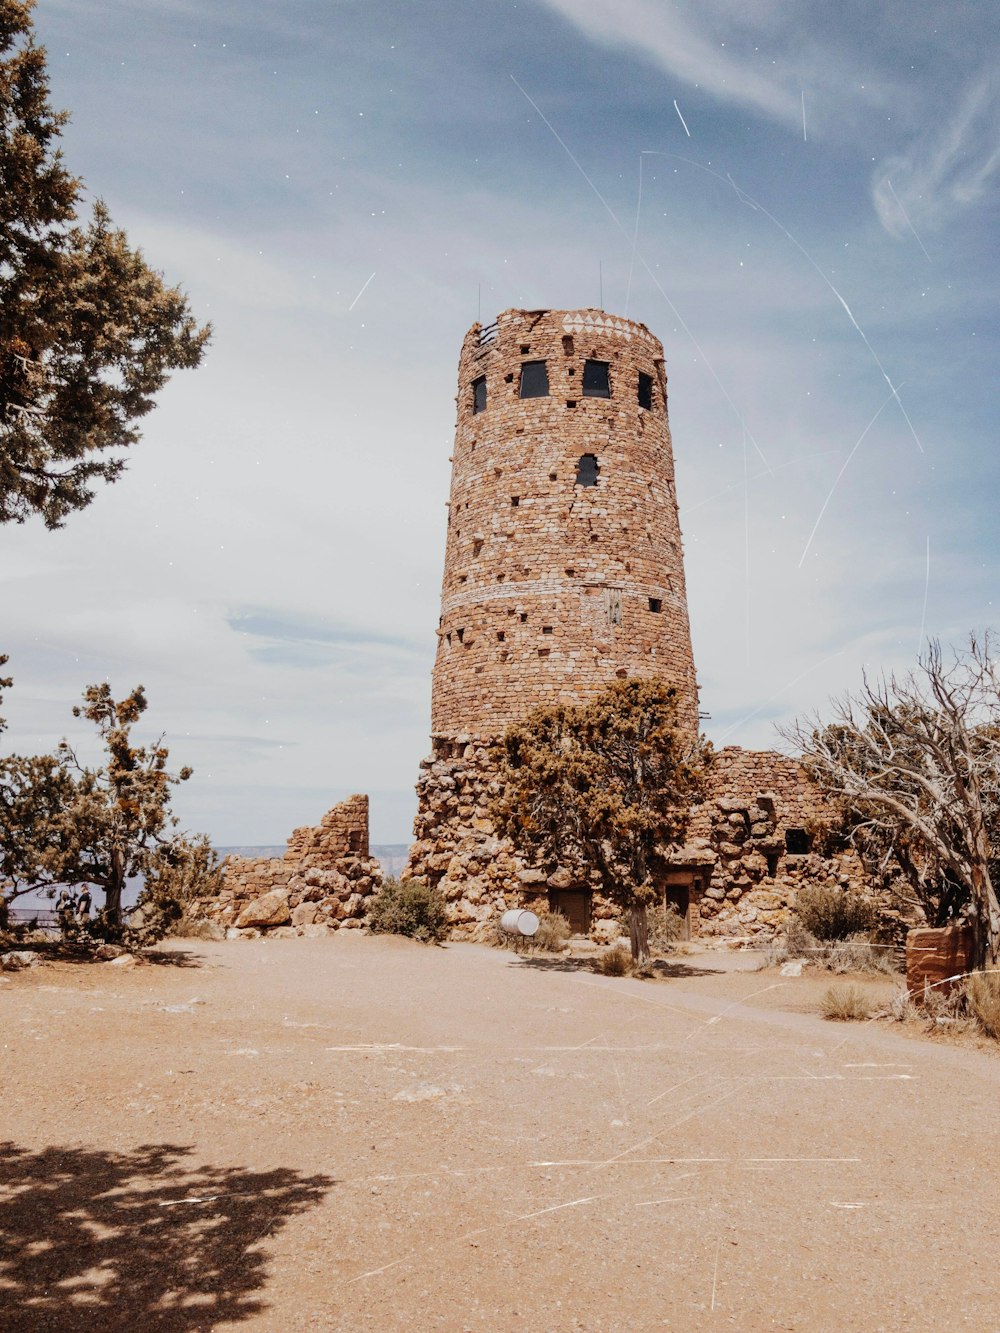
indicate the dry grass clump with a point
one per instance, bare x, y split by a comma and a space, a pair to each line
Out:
847, 1004
665, 926
981, 994
614, 962
857, 953
553, 932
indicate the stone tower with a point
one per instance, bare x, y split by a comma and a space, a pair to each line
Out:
563, 565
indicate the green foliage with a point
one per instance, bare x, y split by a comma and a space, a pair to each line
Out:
409, 908
831, 913
183, 871
605, 787
63, 823
88, 331
847, 1004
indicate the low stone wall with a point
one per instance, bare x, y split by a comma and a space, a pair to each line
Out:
322, 883
760, 806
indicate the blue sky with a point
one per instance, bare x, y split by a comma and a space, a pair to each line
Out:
801, 202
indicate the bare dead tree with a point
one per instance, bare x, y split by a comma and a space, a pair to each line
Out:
915, 760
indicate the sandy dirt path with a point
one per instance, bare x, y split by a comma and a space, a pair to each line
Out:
358, 1133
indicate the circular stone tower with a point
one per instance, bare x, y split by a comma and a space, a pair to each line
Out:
563, 565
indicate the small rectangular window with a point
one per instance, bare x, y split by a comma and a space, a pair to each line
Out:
645, 391
587, 470
479, 395
596, 383
515, 500
656, 604
546, 629
534, 380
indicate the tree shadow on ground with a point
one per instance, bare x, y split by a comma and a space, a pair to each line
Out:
549, 962
561, 963
139, 1240
665, 967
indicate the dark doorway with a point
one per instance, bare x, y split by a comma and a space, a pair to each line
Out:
574, 905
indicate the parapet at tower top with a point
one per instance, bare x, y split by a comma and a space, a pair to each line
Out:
580, 321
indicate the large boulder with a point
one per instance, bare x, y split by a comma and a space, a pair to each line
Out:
270, 909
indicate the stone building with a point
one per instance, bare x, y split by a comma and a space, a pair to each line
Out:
564, 572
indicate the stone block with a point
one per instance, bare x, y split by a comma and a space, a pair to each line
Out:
270, 909
935, 955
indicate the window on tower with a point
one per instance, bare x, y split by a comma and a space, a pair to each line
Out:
534, 379
587, 470
596, 383
479, 395
645, 391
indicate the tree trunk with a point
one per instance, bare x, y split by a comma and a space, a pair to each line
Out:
113, 897
638, 932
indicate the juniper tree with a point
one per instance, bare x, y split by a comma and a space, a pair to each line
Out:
606, 788
88, 331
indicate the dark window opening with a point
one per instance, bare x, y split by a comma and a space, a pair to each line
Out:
772, 864
645, 390
544, 652
525, 350
797, 841
524, 617
448, 637
587, 470
461, 635
596, 383
656, 604
501, 635
553, 476
571, 402
546, 629
571, 371
479, 395
534, 380
568, 344
463, 578
509, 379
515, 500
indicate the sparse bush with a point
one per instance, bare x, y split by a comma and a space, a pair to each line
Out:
858, 955
846, 1004
553, 932
666, 926
412, 908
614, 962
834, 914
981, 992
799, 942
900, 1007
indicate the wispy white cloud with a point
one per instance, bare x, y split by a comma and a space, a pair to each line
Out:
947, 168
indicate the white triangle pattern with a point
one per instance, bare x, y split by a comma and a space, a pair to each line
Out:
576, 321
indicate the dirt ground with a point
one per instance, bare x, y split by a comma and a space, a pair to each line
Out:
366, 1133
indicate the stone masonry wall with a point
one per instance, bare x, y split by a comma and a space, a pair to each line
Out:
322, 883
553, 588
736, 843
755, 799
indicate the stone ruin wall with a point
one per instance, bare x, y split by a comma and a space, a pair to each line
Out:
736, 844
754, 798
552, 588
322, 883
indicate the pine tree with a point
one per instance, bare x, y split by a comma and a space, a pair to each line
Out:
88, 331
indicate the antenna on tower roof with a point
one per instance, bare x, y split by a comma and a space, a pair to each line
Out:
600, 279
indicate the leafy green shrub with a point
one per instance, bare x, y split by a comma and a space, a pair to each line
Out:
982, 998
614, 962
846, 1004
834, 914
410, 908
